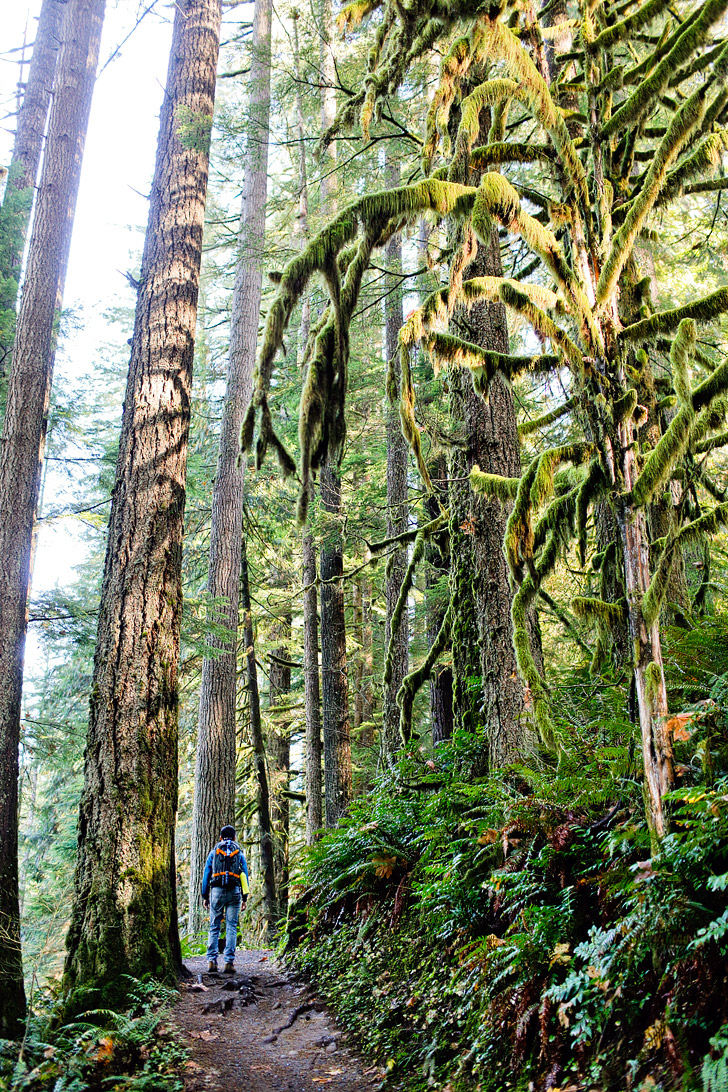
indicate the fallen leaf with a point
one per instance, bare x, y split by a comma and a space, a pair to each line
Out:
263, 959
321, 1080
383, 865
488, 837
104, 1049
678, 726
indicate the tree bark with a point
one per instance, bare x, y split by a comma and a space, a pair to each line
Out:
267, 861
487, 689
214, 793
23, 171
311, 681
125, 910
279, 749
397, 506
334, 679
314, 802
335, 687
649, 676
24, 437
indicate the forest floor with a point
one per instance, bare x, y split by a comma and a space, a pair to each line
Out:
235, 1030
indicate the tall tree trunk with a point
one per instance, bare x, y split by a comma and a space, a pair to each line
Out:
311, 681
24, 436
279, 749
214, 793
23, 172
488, 690
314, 802
125, 910
649, 676
335, 685
397, 643
267, 861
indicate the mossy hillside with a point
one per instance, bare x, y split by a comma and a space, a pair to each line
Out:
513, 930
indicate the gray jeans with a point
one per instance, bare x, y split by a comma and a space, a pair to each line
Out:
225, 902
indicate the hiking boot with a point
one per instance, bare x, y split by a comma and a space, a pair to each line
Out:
212, 968
229, 968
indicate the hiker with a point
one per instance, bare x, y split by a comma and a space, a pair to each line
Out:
224, 889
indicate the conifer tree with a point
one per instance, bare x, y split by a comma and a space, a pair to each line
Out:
23, 171
214, 799
593, 204
24, 433
125, 911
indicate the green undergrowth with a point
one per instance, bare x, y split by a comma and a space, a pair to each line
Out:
101, 1050
515, 931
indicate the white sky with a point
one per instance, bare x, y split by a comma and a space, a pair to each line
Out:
110, 218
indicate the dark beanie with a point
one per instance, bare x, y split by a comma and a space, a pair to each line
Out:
227, 832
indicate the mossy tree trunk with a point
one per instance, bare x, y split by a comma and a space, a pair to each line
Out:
214, 794
311, 679
125, 908
334, 677
23, 171
649, 676
24, 434
487, 688
397, 497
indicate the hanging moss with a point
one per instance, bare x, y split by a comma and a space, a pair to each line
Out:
516, 298
661, 461
412, 683
587, 494
682, 125
482, 363
518, 540
499, 43
493, 485
418, 551
611, 614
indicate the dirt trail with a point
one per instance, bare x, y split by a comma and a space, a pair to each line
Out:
234, 1030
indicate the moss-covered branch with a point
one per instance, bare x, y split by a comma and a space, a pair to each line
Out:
412, 683
693, 34
674, 442
707, 524
494, 485
684, 123
664, 322
546, 419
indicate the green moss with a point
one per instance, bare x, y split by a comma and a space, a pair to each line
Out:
692, 35
706, 309
412, 683
610, 614
526, 428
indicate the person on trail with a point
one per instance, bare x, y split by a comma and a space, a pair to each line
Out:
225, 889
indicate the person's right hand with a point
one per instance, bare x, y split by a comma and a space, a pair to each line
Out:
206, 904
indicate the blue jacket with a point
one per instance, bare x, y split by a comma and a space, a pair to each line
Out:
207, 874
